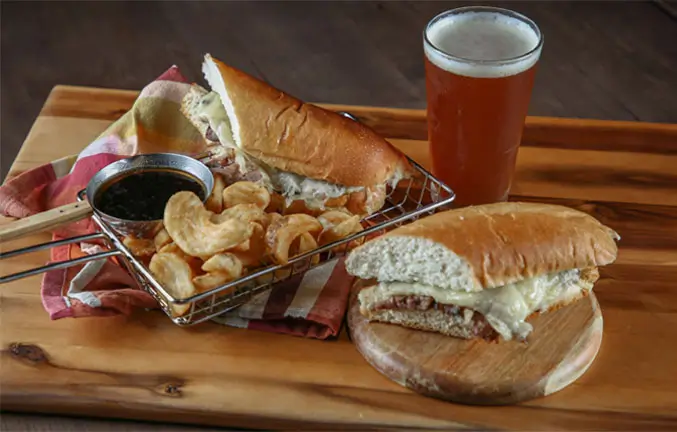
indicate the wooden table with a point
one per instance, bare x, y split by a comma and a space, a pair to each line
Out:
144, 367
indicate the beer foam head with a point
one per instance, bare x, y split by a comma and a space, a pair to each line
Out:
482, 43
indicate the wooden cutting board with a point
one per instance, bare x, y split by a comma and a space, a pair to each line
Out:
561, 348
145, 367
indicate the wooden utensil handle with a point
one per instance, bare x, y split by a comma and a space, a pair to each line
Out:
45, 221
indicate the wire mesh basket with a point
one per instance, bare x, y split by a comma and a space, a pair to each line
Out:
406, 202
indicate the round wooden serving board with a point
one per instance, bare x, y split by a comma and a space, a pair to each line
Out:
562, 346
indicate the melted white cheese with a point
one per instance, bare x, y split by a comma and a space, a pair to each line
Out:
506, 308
398, 175
314, 192
211, 109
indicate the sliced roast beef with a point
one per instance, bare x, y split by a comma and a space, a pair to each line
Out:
417, 302
211, 135
480, 326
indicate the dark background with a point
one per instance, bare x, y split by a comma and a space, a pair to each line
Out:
609, 60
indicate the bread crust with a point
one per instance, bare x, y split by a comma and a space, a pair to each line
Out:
507, 242
302, 138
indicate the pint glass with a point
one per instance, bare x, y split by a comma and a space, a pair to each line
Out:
480, 64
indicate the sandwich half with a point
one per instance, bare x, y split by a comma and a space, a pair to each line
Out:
482, 271
311, 158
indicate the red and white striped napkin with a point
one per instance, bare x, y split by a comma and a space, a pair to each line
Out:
311, 305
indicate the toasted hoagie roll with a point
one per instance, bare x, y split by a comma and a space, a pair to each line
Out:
300, 151
481, 272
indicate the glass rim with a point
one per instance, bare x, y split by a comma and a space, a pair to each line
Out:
503, 11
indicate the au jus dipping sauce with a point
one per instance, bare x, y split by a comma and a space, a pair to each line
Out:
142, 195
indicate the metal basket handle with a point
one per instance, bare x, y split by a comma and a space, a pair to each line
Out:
59, 264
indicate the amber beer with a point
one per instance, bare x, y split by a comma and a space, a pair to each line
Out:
480, 64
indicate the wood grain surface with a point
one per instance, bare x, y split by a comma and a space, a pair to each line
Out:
144, 367
46, 221
561, 348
